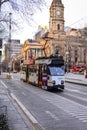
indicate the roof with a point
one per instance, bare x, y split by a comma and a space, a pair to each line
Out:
57, 1
32, 41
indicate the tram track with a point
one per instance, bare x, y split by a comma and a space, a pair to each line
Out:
75, 93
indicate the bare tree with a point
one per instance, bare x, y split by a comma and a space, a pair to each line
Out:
23, 8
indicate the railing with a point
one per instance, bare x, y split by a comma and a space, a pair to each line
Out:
3, 118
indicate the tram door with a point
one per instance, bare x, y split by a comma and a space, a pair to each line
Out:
40, 76
27, 73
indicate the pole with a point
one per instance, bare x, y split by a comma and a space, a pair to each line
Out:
9, 63
85, 62
67, 56
10, 14
0, 5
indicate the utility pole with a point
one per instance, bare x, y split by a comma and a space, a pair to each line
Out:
9, 43
0, 5
10, 14
67, 55
85, 61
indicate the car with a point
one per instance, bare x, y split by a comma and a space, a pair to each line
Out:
83, 68
14, 71
75, 69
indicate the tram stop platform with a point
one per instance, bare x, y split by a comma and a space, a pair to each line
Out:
76, 78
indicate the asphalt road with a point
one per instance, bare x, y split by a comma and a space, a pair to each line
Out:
52, 110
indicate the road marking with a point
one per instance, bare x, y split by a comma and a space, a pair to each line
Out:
72, 90
4, 84
52, 115
78, 91
80, 98
23, 93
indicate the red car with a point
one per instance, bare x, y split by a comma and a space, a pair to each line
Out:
75, 69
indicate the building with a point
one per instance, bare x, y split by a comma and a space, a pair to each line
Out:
10, 52
30, 51
72, 45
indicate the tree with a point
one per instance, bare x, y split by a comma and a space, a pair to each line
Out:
23, 8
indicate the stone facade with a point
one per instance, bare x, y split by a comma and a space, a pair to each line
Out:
72, 45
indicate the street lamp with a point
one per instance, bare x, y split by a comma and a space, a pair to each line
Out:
9, 42
67, 61
67, 55
85, 61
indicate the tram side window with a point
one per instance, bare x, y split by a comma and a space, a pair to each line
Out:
33, 69
44, 69
30, 69
48, 71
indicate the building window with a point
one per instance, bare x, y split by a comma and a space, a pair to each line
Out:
76, 56
39, 52
58, 26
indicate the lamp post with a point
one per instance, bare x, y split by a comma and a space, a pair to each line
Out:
9, 42
67, 54
85, 61
67, 61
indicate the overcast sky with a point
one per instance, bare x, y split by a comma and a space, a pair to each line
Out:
75, 15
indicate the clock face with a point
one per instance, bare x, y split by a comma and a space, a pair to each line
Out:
58, 13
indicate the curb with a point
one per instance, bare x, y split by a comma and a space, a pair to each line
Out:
80, 83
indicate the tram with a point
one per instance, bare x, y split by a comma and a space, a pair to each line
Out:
46, 73
23, 73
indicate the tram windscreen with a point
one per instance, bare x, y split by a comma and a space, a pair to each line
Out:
56, 71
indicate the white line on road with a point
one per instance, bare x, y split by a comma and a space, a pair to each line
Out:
78, 91
4, 84
52, 115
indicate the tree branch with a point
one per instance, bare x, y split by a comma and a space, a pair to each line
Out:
4, 1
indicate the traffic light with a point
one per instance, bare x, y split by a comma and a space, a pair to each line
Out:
0, 53
0, 43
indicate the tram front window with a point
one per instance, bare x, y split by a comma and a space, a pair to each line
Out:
56, 70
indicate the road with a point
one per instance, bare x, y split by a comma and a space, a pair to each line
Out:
53, 110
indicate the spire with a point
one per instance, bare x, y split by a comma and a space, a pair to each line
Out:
57, 2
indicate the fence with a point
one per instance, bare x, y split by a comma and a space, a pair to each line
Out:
3, 118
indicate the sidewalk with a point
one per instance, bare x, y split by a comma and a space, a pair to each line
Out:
15, 118
76, 78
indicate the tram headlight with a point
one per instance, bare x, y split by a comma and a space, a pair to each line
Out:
53, 82
62, 81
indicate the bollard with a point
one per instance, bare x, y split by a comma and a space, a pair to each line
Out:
8, 76
85, 73
86, 76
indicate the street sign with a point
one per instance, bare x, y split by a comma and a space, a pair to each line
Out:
0, 43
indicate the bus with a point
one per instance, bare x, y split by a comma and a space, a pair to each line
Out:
46, 73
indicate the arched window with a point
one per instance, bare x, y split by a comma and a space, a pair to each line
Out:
58, 26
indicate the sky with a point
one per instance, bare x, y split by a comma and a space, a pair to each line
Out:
75, 15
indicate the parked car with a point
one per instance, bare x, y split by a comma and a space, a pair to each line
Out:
83, 68
75, 69
14, 71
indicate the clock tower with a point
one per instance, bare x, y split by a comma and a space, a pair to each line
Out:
56, 22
